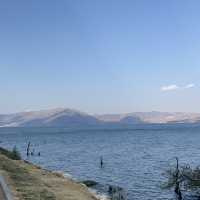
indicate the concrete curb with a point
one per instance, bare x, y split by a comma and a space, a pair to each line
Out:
5, 188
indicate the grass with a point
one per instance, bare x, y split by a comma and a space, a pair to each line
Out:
27, 186
30, 182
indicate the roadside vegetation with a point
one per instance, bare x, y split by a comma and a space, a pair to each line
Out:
27, 186
14, 154
30, 182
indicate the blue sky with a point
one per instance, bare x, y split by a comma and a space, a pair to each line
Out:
103, 56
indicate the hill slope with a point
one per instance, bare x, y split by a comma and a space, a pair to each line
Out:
151, 117
28, 181
69, 117
55, 118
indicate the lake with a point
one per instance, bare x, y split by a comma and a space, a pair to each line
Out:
135, 158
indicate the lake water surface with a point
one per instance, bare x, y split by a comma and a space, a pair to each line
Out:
135, 158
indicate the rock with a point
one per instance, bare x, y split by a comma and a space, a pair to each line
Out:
89, 183
117, 193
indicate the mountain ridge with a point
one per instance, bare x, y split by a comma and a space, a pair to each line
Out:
64, 117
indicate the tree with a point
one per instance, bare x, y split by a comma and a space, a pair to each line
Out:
15, 154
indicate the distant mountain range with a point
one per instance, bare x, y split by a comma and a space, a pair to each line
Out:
68, 117
43, 118
152, 117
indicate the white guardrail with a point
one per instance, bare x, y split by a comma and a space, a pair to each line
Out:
5, 188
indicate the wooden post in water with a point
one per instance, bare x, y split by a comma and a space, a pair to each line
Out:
101, 161
177, 189
28, 148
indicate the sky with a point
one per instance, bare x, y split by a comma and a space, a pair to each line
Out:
100, 56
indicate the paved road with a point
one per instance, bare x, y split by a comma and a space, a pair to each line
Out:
2, 197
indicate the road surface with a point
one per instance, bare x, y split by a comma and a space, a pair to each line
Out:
2, 197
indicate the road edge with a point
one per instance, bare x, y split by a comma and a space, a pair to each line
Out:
5, 188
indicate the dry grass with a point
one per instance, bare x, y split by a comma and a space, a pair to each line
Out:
30, 182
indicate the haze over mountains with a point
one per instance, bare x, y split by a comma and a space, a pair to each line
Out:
68, 117
152, 117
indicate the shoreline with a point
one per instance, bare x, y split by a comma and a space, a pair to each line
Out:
95, 190
98, 194
25, 179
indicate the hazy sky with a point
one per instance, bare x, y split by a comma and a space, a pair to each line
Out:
100, 56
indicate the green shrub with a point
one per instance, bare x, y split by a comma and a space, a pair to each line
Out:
14, 154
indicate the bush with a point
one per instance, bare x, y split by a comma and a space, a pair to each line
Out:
185, 179
14, 154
